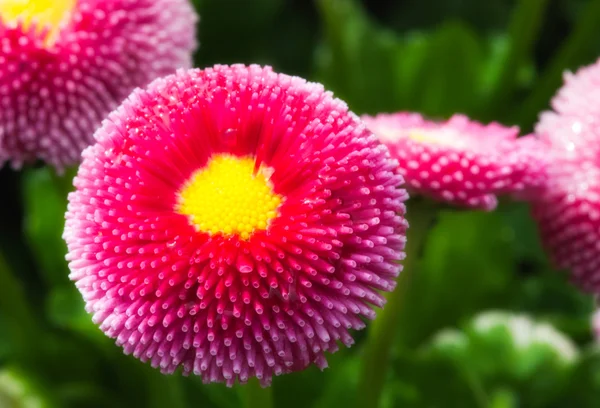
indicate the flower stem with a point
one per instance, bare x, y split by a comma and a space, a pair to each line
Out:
254, 396
23, 327
63, 182
164, 390
502, 398
377, 349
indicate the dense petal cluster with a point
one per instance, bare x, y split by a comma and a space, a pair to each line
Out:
64, 65
568, 217
568, 211
573, 127
460, 161
264, 295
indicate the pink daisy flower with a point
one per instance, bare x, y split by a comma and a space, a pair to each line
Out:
568, 211
234, 222
568, 217
596, 324
65, 64
573, 128
461, 162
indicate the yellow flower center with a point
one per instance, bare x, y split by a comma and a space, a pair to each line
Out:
42, 13
228, 197
423, 136
442, 137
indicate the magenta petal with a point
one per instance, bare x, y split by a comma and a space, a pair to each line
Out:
53, 96
459, 161
218, 306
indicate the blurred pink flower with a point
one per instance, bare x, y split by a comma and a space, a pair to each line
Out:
596, 324
573, 128
65, 64
568, 211
459, 161
235, 222
568, 216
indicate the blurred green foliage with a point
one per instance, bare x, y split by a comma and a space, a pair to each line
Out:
493, 60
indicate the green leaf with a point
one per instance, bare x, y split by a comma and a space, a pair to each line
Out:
341, 387
449, 79
437, 73
467, 265
503, 398
541, 289
576, 50
5, 348
425, 380
89, 395
522, 228
21, 324
501, 349
583, 387
210, 395
164, 390
359, 61
65, 309
19, 389
523, 31
409, 59
485, 16
279, 33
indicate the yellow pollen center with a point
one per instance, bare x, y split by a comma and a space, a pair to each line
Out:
227, 197
44, 13
423, 136
440, 137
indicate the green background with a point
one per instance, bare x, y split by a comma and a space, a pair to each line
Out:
493, 60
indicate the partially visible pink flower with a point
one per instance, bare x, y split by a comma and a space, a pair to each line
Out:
573, 127
459, 161
568, 216
596, 324
65, 64
568, 210
234, 222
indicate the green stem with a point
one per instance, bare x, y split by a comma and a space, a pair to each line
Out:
63, 181
164, 390
254, 396
474, 384
377, 349
502, 398
23, 327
